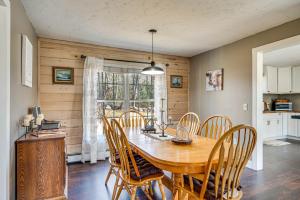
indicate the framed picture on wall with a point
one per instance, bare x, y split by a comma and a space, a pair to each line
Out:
176, 81
214, 80
63, 75
26, 61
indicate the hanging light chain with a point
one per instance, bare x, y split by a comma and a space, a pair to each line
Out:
152, 46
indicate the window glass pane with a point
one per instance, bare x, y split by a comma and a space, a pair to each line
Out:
118, 92
107, 90
119, 79
106, 77
146, 92
145, 107
113, 108
134, 105
112, 89
133, 92
133, 79
118, 109
143, 79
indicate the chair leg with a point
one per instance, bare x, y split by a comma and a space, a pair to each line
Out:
120, 190
116, 185
108, 175
161, 188
150, 188
133, 193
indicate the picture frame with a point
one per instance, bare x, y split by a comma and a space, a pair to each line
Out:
27, 57
214, 80
176, 81
63, 75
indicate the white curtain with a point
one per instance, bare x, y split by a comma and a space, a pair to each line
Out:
160, 91
93, 141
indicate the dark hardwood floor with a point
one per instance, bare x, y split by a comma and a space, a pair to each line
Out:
280, 178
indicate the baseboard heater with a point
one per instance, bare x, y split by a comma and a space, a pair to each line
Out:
74, 158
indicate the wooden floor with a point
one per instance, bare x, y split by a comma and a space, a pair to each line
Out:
280, 178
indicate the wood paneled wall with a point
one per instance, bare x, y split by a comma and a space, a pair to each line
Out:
64, 102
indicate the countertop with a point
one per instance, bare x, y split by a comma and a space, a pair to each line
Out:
272, 111
43, 135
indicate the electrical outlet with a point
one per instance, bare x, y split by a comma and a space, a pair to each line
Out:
245, 107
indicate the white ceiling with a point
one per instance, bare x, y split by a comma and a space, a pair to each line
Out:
289, 56
185, 27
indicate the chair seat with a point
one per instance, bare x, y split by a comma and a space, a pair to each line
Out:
145, 168
210, 191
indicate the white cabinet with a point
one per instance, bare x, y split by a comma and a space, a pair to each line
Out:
285, 124
271, 79
278, 125
284, 80
293, 125
272, 125
296, 80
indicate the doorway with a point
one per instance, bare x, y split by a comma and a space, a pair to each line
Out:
258, 88
4, 97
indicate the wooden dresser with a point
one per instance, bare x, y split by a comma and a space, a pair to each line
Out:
41, 166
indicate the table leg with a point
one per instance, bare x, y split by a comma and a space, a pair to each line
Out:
176, 183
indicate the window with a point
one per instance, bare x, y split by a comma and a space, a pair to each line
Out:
119, 92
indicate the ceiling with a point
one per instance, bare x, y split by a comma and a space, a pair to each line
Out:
185, 28
289, 56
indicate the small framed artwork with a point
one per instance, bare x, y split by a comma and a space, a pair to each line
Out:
26, 61
176, 81
63, 75
215, 80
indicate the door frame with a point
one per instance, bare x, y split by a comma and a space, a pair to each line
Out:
5, 99
257, 93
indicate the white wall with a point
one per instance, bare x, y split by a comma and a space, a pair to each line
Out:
4, 98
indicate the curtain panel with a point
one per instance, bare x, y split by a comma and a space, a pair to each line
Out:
93, 140
160, 91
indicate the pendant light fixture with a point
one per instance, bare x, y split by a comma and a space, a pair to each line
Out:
153, 70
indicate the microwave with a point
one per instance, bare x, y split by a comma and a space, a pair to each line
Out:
283, 106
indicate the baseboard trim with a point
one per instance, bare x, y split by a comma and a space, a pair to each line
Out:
282, 137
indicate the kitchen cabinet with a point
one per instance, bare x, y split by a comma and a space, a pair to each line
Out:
284, 80
296, 79
272, 125
285, 124
281, 80
293, 125
271, 74
280, 125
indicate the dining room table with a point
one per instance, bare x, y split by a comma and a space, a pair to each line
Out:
166, 155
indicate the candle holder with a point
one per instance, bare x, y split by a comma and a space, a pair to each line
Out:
149, 127
163, 125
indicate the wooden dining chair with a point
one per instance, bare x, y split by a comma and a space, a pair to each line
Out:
191, 122
135, 171
132, 118
226, 163
114, 159
215, 126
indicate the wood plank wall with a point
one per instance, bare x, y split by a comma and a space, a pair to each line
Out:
64, 102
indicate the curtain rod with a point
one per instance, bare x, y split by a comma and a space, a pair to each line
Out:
131, 61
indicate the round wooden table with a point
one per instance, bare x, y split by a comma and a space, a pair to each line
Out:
178, 159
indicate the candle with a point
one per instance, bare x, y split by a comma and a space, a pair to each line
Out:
29, 117
26, 122
39, 119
